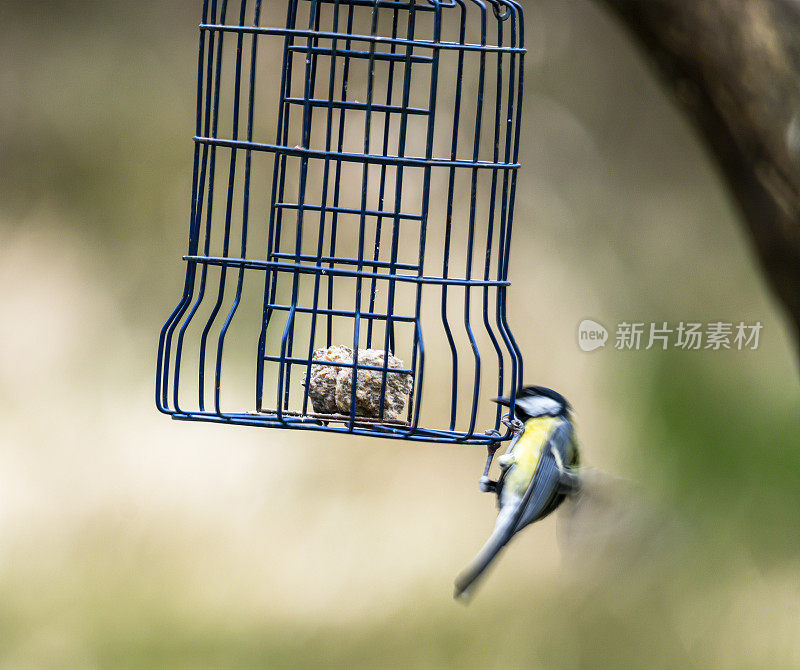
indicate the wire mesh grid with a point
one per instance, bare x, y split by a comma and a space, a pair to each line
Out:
354, 184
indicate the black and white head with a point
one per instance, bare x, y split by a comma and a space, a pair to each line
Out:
533, 401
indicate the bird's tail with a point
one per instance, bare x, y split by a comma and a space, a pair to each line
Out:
503, 530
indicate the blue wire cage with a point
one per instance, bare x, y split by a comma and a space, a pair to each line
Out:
354, 184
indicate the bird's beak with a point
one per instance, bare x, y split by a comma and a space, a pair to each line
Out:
505, 402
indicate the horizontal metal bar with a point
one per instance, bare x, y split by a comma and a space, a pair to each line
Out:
297, 32
335, 364
372, 316
305, 423
379, 56
359, 106
344, 261
338, 272
350, 210
390, 4
405, 161
366, 421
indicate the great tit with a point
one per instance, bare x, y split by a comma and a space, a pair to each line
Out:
539, 469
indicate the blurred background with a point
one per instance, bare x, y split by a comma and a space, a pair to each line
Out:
131, 541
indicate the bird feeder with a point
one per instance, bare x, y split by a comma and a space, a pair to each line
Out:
350, 223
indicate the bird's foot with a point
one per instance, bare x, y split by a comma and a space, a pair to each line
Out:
487, 485
506, 460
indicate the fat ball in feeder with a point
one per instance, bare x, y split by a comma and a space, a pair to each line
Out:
330, 387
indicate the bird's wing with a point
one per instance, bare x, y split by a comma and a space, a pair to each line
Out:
545, 491
542, 494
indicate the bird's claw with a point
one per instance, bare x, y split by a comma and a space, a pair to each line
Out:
486, 485
513, 424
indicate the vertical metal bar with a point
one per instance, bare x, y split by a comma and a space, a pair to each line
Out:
212, 116
363, 218
449, 226
279, 169
490, 234
520, 91
308, 112
507, 212
237, 84
338, 175
418, 346
323, 203
209, 214
382, 185
246, 200
285, 367
165, 336
389, 342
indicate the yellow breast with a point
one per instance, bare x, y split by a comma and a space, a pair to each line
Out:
527, 450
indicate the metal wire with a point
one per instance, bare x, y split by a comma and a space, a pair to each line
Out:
331, 202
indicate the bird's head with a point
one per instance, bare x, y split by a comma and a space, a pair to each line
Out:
533, 401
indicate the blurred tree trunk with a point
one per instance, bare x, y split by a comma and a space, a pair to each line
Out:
734, 65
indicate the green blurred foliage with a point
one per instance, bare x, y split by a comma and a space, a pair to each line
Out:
129, 541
